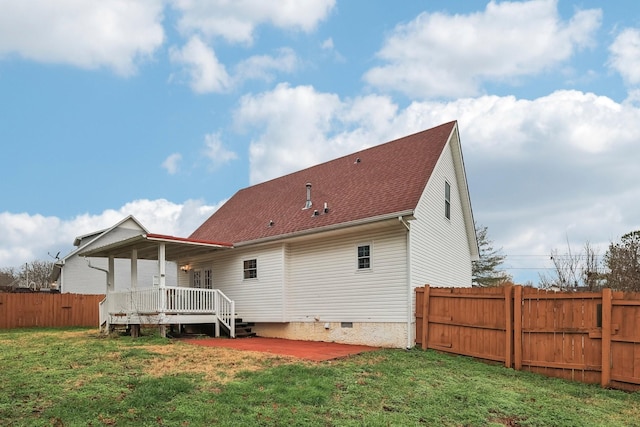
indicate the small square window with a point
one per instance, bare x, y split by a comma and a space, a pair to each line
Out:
251, 269
364, 257
447, 200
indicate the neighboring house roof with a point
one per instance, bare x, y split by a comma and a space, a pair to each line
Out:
383, 181
88, 239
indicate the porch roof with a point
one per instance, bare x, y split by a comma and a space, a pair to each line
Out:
147, 247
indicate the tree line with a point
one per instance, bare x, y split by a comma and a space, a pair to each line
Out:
618, 269
34, 275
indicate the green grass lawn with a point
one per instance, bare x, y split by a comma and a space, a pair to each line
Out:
75, 377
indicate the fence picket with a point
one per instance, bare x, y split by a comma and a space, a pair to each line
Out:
27, 310
593, 337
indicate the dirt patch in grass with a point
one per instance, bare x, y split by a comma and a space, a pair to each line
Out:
217, 364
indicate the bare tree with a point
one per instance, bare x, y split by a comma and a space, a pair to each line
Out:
485, 272
574, 270
7, 277
593, 276
34, 275
623, 261
40, 273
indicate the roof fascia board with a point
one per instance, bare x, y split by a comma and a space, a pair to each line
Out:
461, 177
404, 214
171, 239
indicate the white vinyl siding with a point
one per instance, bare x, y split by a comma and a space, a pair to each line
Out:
440, 254
325, 285
259, 299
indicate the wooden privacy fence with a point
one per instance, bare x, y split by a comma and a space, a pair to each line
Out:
25, 310
593, 337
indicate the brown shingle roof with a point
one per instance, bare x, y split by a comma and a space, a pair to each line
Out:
388, 178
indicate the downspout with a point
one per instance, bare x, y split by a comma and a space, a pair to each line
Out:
104, 270
409, 290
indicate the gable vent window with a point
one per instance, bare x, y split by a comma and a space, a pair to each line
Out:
447, 200
251, 269
364, 257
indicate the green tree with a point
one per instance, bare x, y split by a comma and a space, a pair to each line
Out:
623, 262
485, 272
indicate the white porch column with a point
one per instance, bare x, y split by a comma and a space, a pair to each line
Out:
111, 286
162, 266
134, 268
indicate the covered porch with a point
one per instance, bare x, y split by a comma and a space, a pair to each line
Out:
161, 303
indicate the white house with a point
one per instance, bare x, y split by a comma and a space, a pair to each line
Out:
80, 275
334, 252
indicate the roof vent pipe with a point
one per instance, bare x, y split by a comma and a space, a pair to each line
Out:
308, 204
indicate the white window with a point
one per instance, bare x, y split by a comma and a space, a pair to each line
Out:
250, 268
197, 278
364, 257
208, 279
447, 200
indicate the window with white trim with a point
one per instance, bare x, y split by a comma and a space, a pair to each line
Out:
250, 267
208, 279
447, 200
197, 278
364, 257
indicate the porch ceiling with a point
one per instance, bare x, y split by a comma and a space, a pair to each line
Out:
176, 248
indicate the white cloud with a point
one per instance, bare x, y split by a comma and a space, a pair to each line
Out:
328, 47
452, 55
85, 33
262, 67
30, 237
327, 44
625, 55
171, 163
540, 171
216, 152
236, 20
206, 73
292, 118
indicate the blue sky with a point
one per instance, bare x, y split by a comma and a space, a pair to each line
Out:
164, 109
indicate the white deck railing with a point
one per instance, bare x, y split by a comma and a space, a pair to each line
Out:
103, 314
172, 300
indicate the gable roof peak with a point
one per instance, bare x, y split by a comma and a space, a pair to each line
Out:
380, 180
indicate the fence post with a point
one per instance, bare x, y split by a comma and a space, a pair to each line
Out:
508, 292
605, 379
517, 327
425, 318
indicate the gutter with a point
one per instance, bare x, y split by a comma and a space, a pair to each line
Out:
332, 227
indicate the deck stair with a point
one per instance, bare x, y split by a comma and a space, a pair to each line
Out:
243, 329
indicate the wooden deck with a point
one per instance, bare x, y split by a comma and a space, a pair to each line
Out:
168, 305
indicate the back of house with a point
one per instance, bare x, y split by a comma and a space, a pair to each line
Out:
334, 252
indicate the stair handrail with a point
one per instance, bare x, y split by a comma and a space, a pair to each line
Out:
103, 314
226, 312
